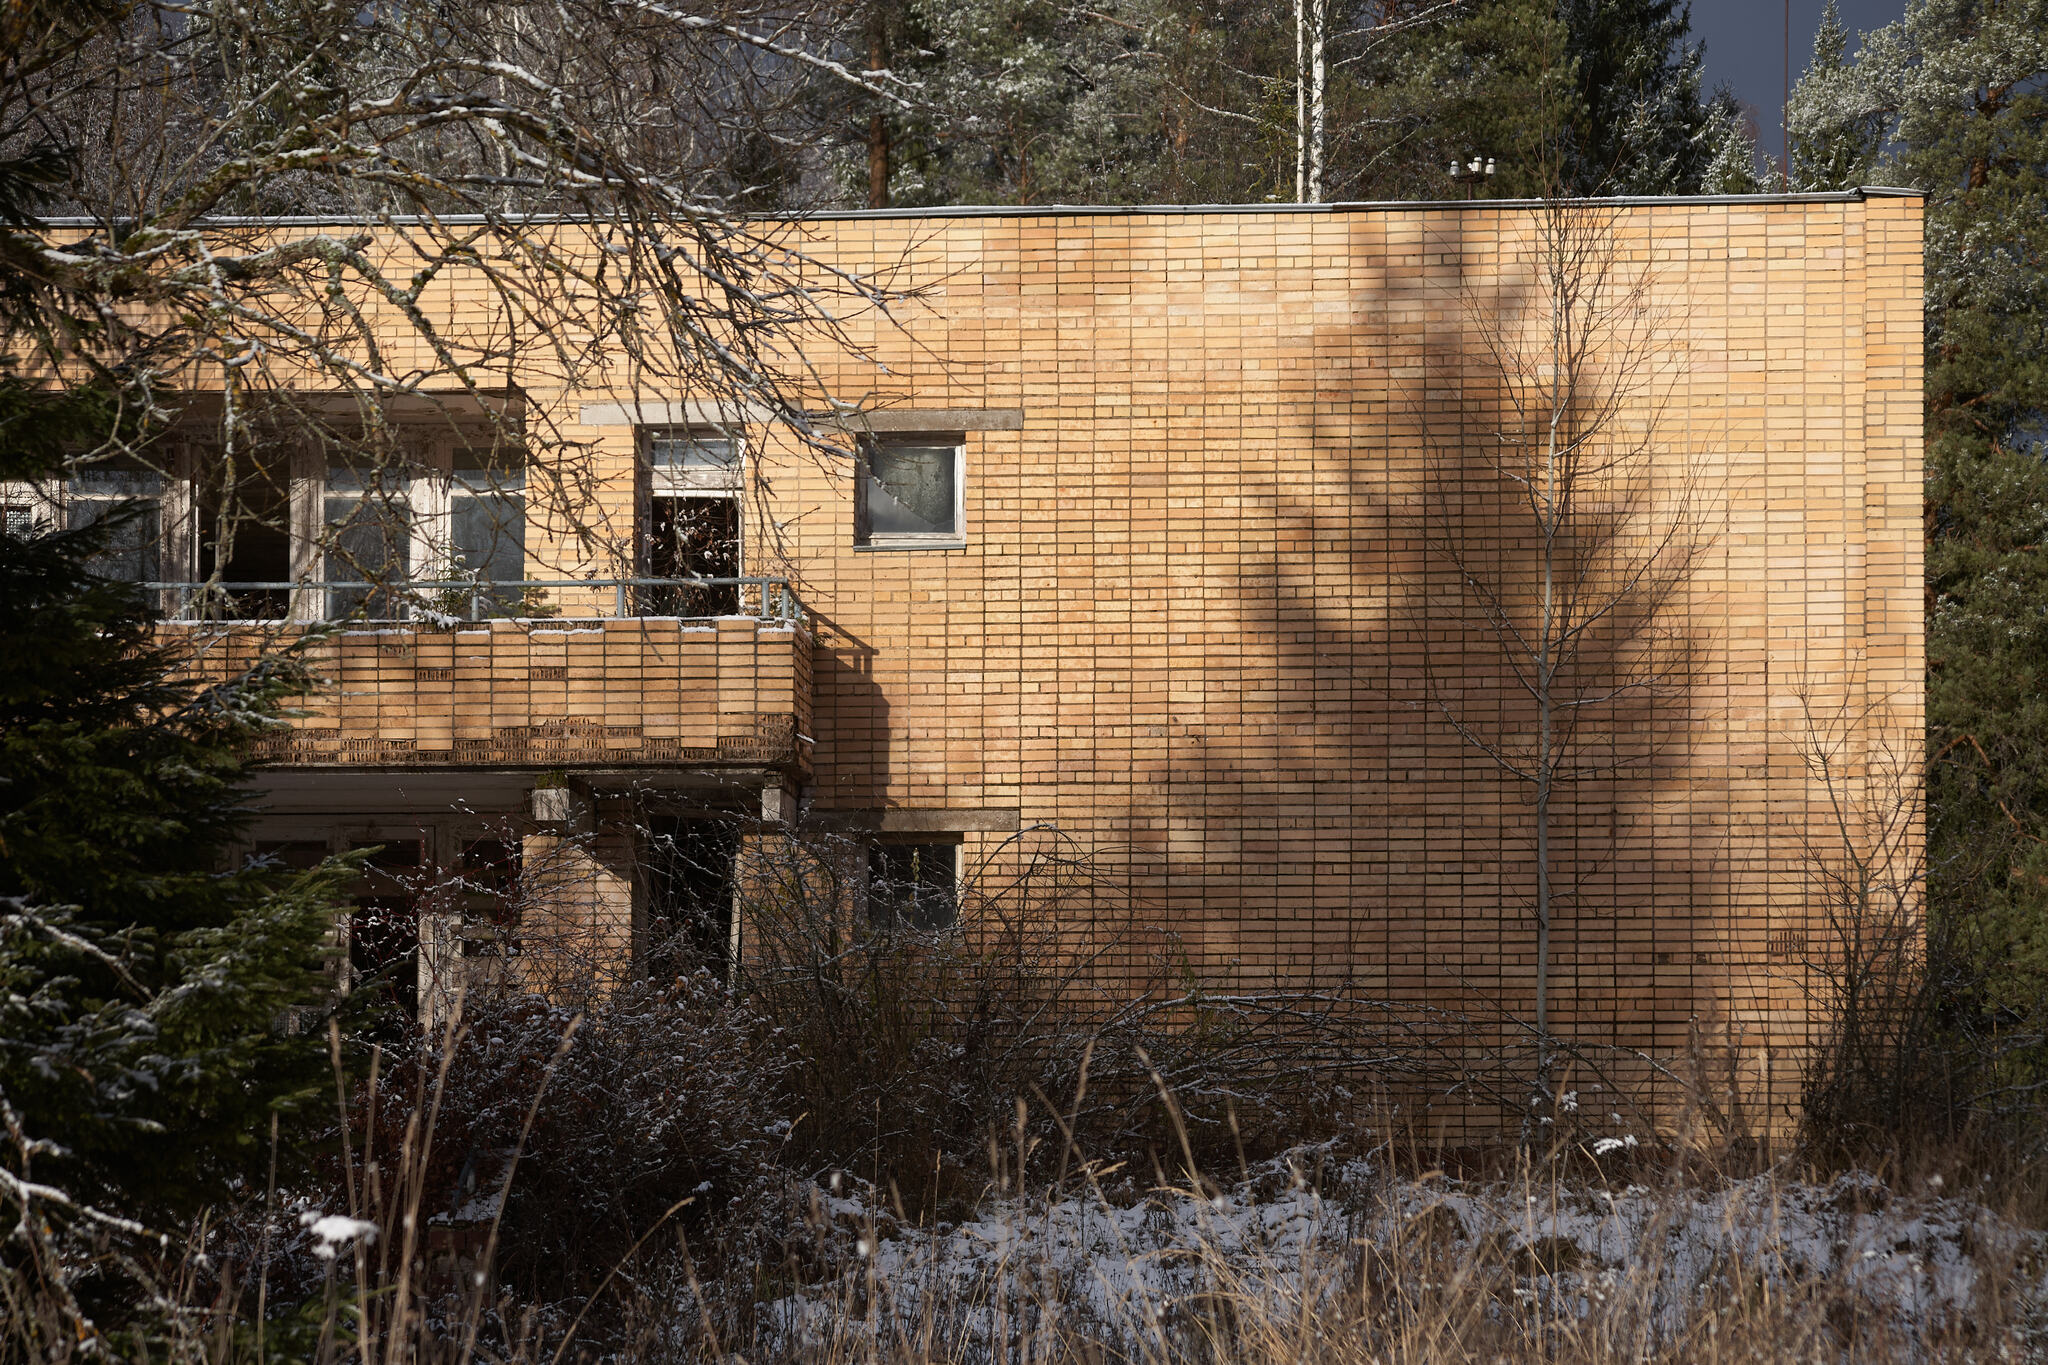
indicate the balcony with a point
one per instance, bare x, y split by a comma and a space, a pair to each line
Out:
609, 682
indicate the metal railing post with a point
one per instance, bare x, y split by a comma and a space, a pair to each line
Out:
621, 612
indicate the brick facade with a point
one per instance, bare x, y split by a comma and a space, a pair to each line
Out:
1195, 610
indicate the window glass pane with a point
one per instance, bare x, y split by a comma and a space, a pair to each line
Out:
910, 886
487, 531
685, 450
909, 490
368, 541
132, 552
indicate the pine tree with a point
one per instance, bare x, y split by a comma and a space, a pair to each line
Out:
1950, 99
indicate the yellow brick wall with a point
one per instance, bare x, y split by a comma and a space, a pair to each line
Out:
1184, 627
1192, 623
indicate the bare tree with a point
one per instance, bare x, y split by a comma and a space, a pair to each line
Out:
258, 202
1569, 527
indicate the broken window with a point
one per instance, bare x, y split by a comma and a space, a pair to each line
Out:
245, 534
908, 492
913, 886
692, 527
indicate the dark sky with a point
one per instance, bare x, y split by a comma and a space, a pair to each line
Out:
1745, 41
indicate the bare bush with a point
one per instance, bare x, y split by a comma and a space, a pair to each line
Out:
1912, 1062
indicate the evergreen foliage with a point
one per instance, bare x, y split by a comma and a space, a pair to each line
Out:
144, 991
1191, 101
1951, 99
1022, 102
1586, 97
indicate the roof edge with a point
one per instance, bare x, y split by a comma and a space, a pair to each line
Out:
1112, 210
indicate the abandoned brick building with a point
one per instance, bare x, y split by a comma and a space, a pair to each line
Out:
1137, 549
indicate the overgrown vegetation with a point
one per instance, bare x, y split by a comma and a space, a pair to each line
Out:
692, 1166
679, 1166
1950, 99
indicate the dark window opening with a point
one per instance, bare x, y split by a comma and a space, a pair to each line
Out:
490, 898
692, 538
693, 867
384, 924
245, 537
913, 886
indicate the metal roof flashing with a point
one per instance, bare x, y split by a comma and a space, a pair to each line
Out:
1099, 210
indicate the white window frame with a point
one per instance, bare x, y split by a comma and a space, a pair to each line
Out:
867, 541
426, 483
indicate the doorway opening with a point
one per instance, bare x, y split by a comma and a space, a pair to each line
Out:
384, 922
693, 869
692, 536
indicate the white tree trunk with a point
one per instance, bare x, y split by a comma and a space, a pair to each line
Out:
1314, 174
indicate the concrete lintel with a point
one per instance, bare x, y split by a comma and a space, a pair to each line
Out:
935, 419
984, 819
685, 412
430, 790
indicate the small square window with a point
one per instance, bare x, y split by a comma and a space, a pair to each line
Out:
913, 886
22, 506
909, 493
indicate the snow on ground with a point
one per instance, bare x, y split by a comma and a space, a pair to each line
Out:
1120, 1266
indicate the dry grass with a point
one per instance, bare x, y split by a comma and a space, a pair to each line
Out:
1362, 1266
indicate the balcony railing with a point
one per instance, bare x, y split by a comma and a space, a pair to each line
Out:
443, 603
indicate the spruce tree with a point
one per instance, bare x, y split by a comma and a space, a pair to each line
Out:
145, 985
1950, 99
1019, 102
1585, 97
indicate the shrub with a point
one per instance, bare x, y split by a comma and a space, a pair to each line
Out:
658, 1095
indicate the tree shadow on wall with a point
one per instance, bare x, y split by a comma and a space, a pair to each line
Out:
1523, 626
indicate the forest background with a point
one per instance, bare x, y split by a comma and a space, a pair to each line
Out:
137, 988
